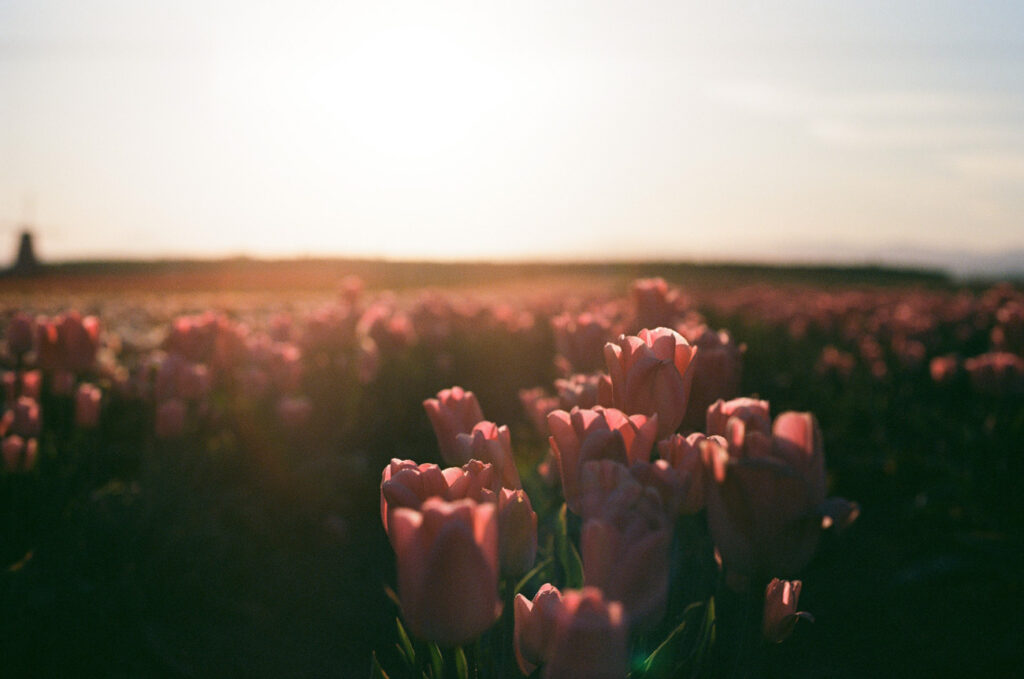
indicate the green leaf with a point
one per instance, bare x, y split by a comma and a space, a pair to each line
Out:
376, 671
436, 661
660, 661
568, 557
532, 574
461, 667
405, 644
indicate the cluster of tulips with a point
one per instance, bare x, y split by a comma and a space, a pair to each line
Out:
629, 471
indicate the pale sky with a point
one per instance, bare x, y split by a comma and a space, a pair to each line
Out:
515, 130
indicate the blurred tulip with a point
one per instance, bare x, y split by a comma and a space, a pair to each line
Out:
717, 370
625, 541
517, 533
651, 374
944, 369
19, 454
683, 454
754, 413
654, 303
87, 406
598, 434
170, 418
780, 614
27, 421
20, 334
580, 339
488, 442
447, 556
537, 405
535, 623
590, 638
766, 502
454, 411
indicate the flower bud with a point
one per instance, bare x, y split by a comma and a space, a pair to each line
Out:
454, 411
488, 442
87, 406
780, 614
517, 533
447, 556
650, 374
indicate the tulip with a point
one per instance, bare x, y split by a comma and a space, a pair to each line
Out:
488, 442
780, 614
454, 411
535, 623
474, 480
589, 640
766, 501
447, 556
20, 334
598, 434
717, 369
683, 454
87, 406
537, 405
580, 339
625, 541
650, 374
19, 454
580, 391
654, 303
403, 483
754, 413
517, 533
26, 417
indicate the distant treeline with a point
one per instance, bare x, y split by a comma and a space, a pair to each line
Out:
325, 273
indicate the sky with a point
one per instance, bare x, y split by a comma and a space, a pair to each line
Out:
821, 131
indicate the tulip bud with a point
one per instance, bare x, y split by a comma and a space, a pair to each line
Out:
19, 454
403, 483
19, 334
87, 406
650, 374
780, 614
488, 442
454, 411
684, 455
535, 623
517, 533
447, 556
474, 480
590, 638
26, 418
598, 434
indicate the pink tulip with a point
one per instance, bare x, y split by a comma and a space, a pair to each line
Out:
27, 422
535, 623
580, 391
537, 405
650, 374
517, 533
780, 614
590, 638
654, 303
447, 557
717, 369
474, 480
598, 434
87, 406
403, 483
753, 412
683, 454
580, 339
19, 454
766, 501
20, 334
454, 411
625, 541
488, 442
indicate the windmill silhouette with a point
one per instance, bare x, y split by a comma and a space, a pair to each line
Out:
26, 260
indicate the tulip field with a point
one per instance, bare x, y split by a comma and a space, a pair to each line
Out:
501, 472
